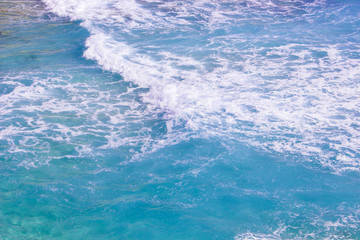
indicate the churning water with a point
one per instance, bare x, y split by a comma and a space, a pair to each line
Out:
178, 119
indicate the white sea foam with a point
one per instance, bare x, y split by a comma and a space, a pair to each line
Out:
251, 82
260, 236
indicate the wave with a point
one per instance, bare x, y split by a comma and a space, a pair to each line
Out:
274, 74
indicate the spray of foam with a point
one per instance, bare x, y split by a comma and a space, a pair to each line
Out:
303, 97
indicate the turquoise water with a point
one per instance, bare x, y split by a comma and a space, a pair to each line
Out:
179, 120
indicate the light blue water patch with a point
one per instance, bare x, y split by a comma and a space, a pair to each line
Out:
201, 120
196, 189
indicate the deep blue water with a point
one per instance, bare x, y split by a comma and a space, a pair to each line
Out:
180, 119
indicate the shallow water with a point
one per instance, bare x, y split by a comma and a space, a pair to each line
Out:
179, 120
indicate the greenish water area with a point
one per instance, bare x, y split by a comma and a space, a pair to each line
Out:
16, 11
117, 130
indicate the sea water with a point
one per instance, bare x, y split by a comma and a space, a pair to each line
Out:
150, 119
